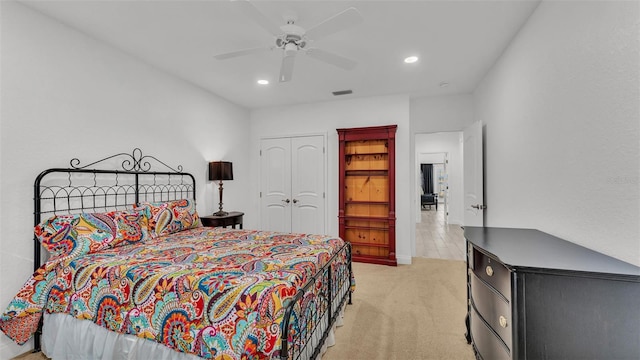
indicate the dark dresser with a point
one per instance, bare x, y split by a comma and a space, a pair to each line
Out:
534, 296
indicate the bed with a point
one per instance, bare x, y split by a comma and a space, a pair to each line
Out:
130, 273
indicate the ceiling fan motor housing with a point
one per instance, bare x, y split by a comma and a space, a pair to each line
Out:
294, 39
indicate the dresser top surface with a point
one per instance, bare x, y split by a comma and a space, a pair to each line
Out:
529, 248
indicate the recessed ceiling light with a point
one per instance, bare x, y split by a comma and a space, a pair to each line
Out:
411, 59
263, 82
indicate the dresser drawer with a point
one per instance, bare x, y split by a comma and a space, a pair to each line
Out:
493, 308
492, 272
488, 344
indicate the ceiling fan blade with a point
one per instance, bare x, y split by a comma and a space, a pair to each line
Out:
233, 54
337, 22
261, 19
286, 69
331, 58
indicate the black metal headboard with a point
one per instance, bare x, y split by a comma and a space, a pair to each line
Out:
81, 189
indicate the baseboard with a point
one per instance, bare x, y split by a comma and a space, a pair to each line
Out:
23, 355
404, 260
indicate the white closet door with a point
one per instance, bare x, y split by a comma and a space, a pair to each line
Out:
293, 184
275, 185
307, 184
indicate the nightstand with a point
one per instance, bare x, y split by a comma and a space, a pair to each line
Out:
232, 219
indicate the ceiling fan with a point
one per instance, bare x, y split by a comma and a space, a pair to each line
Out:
292, 39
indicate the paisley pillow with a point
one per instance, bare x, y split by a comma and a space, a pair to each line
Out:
86, 233
131, 227
169, 217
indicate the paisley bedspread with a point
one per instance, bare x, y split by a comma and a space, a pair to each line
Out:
213, 292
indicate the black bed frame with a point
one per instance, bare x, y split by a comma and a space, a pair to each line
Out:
87, 188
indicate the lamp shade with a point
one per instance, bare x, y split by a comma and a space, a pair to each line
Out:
220, 170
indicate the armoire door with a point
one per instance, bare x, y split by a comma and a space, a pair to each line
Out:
292, 184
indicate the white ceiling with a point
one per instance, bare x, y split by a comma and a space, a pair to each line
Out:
457, 41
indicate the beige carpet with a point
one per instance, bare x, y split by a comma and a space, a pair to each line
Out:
407, 312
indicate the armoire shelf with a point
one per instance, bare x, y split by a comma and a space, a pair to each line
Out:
367, 218
366, 153
372, 172
367, 202
366, 213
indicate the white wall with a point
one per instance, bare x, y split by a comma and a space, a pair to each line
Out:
66, 95
441, 113
450, 143
326, 117
562, 110
429, 157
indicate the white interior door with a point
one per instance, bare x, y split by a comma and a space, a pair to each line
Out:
275, 184
473, 176
292, 184
307, 185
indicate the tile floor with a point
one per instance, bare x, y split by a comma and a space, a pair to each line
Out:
437, 240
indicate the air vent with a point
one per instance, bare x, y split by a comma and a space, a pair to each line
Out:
342, 92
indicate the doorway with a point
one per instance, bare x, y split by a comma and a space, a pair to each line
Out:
434, 182
438, 228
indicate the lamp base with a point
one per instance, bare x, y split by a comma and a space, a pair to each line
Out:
220, 213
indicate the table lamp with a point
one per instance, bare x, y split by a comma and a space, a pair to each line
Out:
218, 171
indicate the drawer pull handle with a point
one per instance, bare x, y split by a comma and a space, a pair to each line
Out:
503, 321
489, 270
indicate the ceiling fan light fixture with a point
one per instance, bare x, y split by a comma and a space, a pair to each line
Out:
290, 49
411, 59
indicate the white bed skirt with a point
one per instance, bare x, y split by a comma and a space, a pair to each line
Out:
68, 338
65, 337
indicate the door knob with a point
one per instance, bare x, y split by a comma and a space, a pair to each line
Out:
295, 201
287, 201
479, 207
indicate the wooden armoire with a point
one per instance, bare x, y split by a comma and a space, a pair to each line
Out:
366, 213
